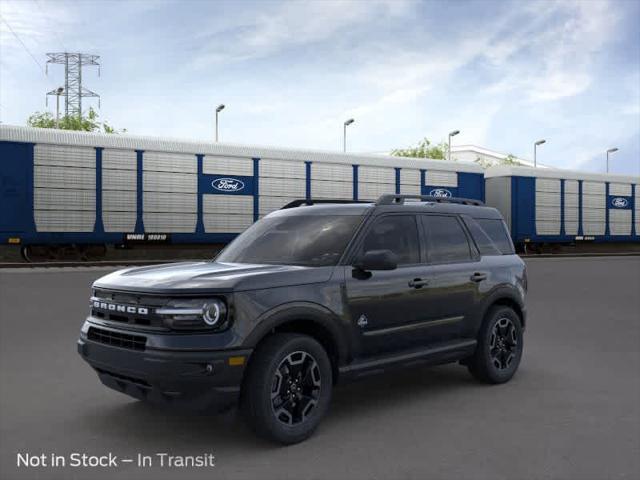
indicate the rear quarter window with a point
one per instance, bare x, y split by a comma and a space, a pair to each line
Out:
491, 236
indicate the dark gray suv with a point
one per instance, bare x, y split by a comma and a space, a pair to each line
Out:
316, 293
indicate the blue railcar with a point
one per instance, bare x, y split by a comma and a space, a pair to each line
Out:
552, 206
62, 188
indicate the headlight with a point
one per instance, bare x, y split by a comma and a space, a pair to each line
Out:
194, 314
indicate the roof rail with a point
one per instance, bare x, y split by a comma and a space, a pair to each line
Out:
391, 199
311, 201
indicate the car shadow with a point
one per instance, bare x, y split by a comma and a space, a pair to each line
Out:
151, 426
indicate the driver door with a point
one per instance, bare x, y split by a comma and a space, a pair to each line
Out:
382, 302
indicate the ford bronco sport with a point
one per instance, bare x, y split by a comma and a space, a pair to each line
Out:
316, 293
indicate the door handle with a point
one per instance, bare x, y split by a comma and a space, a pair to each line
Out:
478, 277
418, 283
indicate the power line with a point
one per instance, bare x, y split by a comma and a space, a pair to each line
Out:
23, 45
54, 32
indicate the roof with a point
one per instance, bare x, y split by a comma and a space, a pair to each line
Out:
12, 133
513, 171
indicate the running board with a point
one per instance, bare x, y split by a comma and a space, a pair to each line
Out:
440, 353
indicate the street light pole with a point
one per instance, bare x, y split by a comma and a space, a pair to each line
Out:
451, 134
219, 108
535, 147
611, 150
344, 133
59, 91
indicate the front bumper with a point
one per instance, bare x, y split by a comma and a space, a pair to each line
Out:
194, 379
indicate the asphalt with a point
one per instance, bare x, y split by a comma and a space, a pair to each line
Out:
571, 412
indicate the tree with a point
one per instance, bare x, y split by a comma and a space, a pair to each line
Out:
88, 123
508, 160
424, 149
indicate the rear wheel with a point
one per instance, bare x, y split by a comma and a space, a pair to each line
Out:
499, 349
288, 388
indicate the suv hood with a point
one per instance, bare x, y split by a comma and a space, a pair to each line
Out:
200, 277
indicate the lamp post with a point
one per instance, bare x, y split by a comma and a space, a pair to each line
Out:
451, 134
59, 91
611, 150
219, 108
535, 151
344, 133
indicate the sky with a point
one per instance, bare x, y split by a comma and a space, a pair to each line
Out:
503, 73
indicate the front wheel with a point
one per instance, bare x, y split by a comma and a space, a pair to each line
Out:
288, 388
499, 349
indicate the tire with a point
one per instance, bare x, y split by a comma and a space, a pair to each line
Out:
297, 369
500, 345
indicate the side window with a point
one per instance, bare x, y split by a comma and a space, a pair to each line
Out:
497, 232
483, 242
397, 233
446, 239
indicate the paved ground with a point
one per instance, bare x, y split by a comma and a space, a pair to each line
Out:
572, 412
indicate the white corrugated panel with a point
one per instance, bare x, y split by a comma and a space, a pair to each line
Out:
169, 222
220, 223
228, 204
268, 203
367, 174
169, 202
67, 199
331, 189
119, 180
594, 215
596, 188
571, 216
119, 201
169, 162
119, 159
371, 191
227, 166
409, 176
593, 228
548, 199
410, 189
571, 228
547, 185
619, 222
620, 189
64, 177
571, 200
64, 156
282, 169
593, 202
547, 227
64, 221
170, 182
441, 178
119, 221
332, 171
571, 186
283, 187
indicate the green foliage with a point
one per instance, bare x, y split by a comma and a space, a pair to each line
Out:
424, 149
88, 123
508, 160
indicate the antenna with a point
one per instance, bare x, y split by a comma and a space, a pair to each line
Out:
74, 92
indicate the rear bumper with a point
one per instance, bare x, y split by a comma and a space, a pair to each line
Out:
193, 379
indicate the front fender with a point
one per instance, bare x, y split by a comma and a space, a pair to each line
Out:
297, 311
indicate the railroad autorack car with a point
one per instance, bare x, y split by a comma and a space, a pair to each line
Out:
552, 206
62, 189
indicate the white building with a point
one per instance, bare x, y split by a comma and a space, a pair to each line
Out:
471, 153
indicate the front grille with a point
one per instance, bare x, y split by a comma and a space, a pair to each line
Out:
148, 320
117, 339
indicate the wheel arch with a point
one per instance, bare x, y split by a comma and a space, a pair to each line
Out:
509, 299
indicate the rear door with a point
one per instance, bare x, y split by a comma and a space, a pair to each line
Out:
454, 274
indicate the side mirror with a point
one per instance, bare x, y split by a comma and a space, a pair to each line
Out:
377, 260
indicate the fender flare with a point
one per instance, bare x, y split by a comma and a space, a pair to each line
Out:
504, 292
301, 311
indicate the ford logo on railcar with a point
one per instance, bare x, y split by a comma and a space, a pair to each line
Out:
440, 192
228, 184
619, 202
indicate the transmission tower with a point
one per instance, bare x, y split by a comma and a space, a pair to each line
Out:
74, 92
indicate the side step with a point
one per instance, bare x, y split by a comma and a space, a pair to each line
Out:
434, 354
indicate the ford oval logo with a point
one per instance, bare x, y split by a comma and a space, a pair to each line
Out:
440, 192
228, 184
619, 202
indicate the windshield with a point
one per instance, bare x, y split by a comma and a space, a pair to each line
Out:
314, 240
